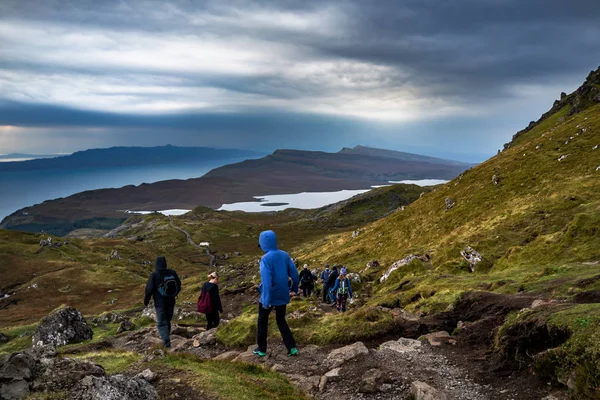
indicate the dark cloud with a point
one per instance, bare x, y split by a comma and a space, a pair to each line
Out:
317, 74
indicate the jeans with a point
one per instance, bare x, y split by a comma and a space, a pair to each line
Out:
213, 319
263, 325
325, 293
163, 323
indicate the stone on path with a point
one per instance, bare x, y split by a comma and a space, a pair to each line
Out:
205, 338
437, 338
402, 346
147, 375
339, 356
371, 381
227, 356
422, 391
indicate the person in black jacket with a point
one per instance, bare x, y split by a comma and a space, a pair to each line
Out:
211, 287
163, 285
307, 281
331, 283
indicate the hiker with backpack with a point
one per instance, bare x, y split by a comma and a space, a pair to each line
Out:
209, 301
276, 267
307, 281
342, 290
324, 277
331, 283
163, 286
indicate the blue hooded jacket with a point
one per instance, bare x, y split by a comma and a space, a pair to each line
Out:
275, 268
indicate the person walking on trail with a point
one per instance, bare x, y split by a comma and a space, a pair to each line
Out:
163, 286
324, 277
343, 291
276, 267
307, 281
331, 283
209, 301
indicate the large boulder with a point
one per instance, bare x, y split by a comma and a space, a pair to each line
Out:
63, 326
116, 387
339, 356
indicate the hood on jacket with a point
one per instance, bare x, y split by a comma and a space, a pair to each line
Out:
267, 241
161, 263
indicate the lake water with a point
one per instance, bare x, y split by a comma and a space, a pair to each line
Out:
26, 188
308, 200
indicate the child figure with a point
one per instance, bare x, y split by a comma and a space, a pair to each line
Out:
343, 290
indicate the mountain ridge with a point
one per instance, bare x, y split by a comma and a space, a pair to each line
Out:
282, 172
119, 156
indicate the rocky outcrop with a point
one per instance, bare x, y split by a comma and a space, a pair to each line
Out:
472, 256
584, 97
400, 263
63, 326
117, 387
40, 370
109, 317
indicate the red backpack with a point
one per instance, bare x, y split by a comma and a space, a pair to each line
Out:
204, 303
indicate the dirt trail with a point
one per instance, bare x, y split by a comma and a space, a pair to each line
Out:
212, 258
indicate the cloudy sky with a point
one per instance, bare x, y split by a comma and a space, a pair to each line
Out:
447, 78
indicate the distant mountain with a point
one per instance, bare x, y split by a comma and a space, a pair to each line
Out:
127, 156
284, 171
21, 156
370, 151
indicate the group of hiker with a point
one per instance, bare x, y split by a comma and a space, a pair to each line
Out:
336, 285
280, 281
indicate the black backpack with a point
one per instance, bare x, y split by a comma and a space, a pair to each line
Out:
168, 287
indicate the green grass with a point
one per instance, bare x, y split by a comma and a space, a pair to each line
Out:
226, 380
113, 361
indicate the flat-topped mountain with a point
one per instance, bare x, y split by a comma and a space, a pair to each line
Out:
370, 151
284, 171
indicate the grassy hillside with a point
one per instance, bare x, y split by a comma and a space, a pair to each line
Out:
81, 272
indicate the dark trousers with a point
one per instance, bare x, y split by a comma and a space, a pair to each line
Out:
307, 290
164, 315
213, 319
341, 302
263, 326
325, 293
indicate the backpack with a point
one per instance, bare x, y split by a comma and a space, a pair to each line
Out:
326, 274
307, 277
343, 289
204, 303
168, 287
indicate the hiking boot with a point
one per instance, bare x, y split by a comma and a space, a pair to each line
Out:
259, 353
293, 352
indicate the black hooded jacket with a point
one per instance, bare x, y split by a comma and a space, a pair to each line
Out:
332, 277
155, 280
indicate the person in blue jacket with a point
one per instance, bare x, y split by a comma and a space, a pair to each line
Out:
342, 290
276, 267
